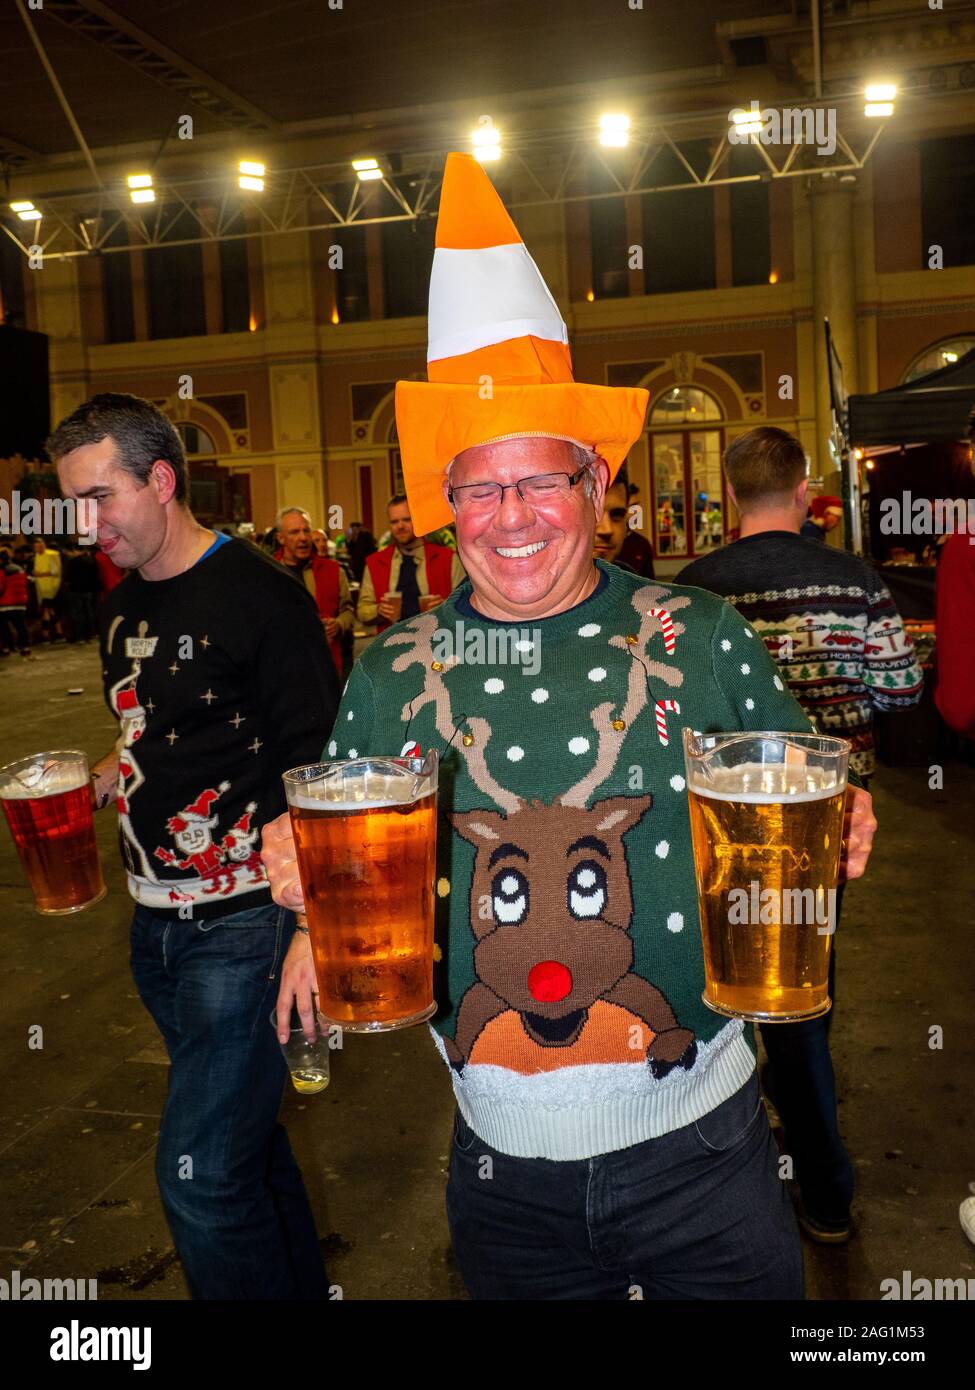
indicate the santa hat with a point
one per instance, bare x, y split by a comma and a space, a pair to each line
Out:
498, 362
244, 823
198, 810
821, 505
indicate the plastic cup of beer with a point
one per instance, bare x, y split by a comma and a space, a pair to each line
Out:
365, 834
766, 815
308, 1063
46, 799
394, 597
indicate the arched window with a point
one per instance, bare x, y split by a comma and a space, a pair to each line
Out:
686, 444
217, 496
196, 441
932, 359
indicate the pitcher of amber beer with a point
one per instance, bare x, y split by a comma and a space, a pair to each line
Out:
46, 799
766, 826
366, 837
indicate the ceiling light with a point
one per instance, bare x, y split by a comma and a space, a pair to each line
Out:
879, 108
24, 205
367, 169
881, 91
143, 195
251, 175
30, 215
486, 139
747, 122
139, 180
614, 130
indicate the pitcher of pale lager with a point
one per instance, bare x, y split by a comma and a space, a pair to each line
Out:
766, 826
366, 838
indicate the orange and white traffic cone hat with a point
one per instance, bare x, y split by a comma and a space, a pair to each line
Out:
498, 362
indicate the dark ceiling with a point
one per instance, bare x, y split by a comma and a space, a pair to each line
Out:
300, 60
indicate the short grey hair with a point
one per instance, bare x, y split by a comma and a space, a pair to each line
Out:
286, 511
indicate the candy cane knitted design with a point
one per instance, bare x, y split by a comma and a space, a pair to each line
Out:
570, 971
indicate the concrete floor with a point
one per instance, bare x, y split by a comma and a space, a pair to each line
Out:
78, 1119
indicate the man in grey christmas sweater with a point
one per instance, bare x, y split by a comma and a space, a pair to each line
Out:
626, 1138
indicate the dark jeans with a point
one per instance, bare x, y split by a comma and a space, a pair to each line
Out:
802, 1087
699, 1213
13, 623
231, 1189
84, 618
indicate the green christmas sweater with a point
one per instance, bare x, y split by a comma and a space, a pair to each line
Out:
569, 963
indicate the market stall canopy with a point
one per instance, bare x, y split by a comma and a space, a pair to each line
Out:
939, 406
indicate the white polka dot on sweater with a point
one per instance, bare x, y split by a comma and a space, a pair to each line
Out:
749, 704
725, 645
589, 630
748, 632
515, 754
353, 752
523, 646
540, 695
350, 716
578, 745
777, 683
678, 783
333, 748
661, 850
745, 668
494, 686
675, 922
598, 673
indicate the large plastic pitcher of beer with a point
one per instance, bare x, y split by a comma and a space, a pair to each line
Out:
766, 826
46, 799
366, 836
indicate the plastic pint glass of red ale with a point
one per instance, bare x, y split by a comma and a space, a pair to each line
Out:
46, 799
366, 837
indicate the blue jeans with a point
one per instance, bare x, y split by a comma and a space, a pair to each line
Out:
699, 1213
230, 1186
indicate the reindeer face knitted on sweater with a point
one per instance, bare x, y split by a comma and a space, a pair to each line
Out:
551, 903
570, 969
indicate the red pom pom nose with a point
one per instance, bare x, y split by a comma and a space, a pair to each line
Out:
548, 981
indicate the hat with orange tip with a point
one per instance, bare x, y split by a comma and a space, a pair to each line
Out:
498, 362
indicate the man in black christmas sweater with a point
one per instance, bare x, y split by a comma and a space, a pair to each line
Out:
216, 666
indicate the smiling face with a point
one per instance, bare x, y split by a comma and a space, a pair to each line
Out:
527, 560
130, 516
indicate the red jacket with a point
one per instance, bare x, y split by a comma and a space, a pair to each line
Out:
438, 560
326, 574
955, 692
13, 588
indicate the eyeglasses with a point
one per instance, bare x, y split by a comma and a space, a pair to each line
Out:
537, 490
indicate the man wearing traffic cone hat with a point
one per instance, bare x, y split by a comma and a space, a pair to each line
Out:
620, 1118
498, 362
